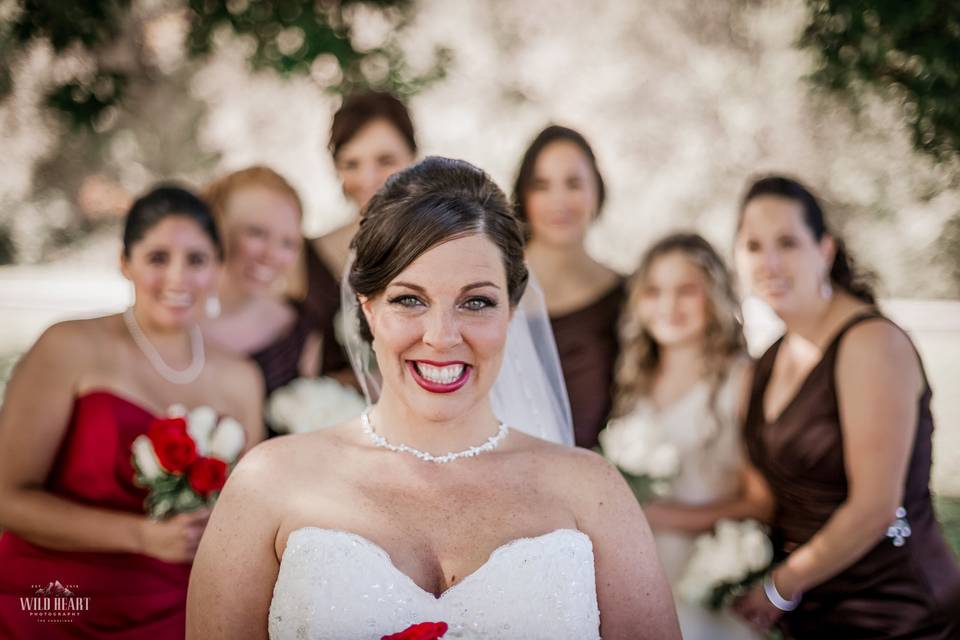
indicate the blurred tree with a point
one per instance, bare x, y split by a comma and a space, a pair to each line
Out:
120, 74
905, 51
321, 38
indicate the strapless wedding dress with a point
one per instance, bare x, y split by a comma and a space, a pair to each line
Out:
339, 585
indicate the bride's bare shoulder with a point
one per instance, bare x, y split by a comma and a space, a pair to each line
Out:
565, 464
283, 459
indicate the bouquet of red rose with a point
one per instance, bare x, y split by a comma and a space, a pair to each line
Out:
184, 458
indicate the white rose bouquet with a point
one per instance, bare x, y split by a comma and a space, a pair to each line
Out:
309, 404
645, 456
184, 459
724, 562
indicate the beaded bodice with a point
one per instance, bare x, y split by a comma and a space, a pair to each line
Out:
335, 584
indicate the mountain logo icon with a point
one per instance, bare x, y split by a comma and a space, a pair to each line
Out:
55, 589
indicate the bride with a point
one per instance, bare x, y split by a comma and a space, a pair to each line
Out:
426, 508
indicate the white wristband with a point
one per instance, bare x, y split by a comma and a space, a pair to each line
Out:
777, 600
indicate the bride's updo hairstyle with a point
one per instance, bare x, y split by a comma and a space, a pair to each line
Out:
432, 202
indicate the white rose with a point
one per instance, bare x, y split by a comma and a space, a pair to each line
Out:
756, 549
311, 404
200, 422
177, 411
228, 440
146, 458
664, 461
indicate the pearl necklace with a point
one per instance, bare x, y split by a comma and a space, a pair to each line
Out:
381, 442
168, 373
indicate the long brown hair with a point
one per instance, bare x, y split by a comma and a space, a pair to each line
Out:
640, 354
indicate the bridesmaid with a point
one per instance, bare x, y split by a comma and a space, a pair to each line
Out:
558, 193
684, 372
371, 138
258, 215
839, 424
69, 507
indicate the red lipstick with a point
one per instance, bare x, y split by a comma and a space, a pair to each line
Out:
439, 387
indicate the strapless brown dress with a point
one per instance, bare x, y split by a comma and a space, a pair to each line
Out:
910, 590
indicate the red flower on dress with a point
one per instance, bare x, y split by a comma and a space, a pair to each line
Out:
421, 631
207, 475
174, 447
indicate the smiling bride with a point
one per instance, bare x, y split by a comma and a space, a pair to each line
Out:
427, 508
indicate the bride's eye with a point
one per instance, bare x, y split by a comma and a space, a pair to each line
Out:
408, 301
479, 303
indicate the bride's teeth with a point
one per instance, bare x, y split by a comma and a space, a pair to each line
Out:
441, 375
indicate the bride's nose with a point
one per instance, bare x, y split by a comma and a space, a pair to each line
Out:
441, 330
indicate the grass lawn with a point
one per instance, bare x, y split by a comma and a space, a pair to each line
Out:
948, 512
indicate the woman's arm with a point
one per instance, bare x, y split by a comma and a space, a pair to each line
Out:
231, 584
878, 385
754, 501
632, 592
33, 421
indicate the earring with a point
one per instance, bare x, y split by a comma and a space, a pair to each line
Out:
826, 289
212, 306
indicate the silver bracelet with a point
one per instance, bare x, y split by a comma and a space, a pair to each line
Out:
777, 600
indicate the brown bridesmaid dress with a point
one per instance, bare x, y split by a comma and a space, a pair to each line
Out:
279, 361
907, 587
588, 346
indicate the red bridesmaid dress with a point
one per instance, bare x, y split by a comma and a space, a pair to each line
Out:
68, 594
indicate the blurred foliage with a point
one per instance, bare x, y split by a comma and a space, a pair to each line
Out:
292, 36
315, 37
909, 51
905, 51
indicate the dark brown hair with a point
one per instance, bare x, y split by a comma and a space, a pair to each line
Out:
164, 201
434, 201
553, 133
359, 110
844, 272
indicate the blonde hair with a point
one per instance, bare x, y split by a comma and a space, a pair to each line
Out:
218, 192
723, 341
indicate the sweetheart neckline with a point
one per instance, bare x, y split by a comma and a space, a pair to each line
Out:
97, 391
376, 548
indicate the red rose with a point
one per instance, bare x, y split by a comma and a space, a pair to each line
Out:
174, 446
422, 631
207, 475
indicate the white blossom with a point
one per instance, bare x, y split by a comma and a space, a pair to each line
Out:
200, 424
309, 404
227, 440
146, 458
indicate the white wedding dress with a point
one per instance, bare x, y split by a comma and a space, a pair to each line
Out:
339, 585
710, 452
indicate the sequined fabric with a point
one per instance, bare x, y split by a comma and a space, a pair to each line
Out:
335, 584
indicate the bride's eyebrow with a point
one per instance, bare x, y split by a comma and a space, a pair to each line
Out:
478, 285
472, 285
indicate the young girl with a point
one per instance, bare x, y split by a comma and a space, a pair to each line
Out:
683, 370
